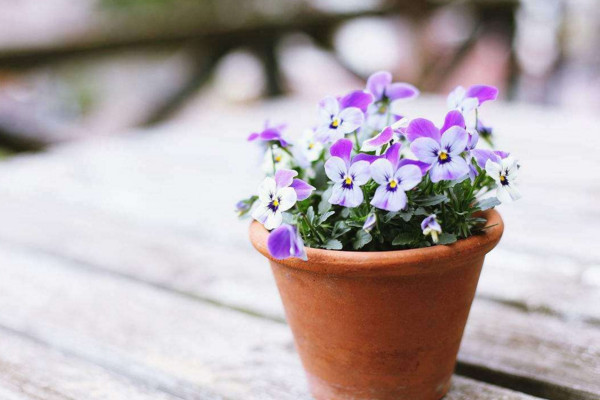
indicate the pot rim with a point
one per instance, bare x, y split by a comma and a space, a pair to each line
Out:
395, 262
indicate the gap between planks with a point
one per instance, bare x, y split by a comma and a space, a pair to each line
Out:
154, 336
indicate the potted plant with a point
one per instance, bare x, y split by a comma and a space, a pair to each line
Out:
379, 225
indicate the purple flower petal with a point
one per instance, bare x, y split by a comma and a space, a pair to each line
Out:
370, 222
377, 83
359, 99
454, 141
421, 127
453, 118
424, 167
482, 93
303, 189
285, 242
342, 149
284, 177
389, 200
393, 154
431, 223
381, 171
501, 154
482, 155
253, 136
336, 169
396, 91
426, 149
385, 136
370, 158
456, 168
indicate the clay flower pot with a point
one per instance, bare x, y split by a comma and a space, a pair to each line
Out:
380, 325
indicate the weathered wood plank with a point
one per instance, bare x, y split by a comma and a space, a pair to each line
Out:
32, 371
139, 330
195, 265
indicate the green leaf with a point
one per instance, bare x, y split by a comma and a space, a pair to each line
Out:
403, 239
310, 214
488, 203
421, 211
324, 204
406, 215
324, 217
333, 244
361, 239
446, 238
345, 212
389, 216
432, 200
339, 229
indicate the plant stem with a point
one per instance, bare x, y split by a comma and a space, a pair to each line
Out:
273, 158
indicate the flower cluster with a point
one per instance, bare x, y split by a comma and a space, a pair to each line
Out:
368, 178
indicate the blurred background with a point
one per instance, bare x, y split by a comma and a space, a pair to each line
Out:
74, 70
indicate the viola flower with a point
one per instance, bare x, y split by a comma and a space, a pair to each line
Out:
269, 133
466, 100
275, 196
310, 147
384, 137
347, 176
335, 122
384, 92
278, 156
370, 222
505, 174
394, 178
242, 207
430, 226
285, 242
441, 151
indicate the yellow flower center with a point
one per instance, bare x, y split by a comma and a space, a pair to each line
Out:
335, 123
277, 158
310, 146
348, 180
443, 156
275, 203
393, 184
502, 178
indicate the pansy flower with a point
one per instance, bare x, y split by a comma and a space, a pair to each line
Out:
384, 92
394, 178
466, 100
440, 150
310, 147
348, 176
277, 195
335, 121
430, 226
505, 174
370, 222
276, 159
285, 242
269, 133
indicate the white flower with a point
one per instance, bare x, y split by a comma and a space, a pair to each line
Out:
505, 174
282, 160
310, 147
335, 123
273, 200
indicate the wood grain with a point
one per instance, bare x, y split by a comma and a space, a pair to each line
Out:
163, 340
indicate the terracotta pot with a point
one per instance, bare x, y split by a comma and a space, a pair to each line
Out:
380, 325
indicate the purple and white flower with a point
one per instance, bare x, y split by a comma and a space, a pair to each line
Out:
269, 133
430, 226
465, 100
347, 176
386, 136
285, 242
505, 174
394, 178
441, 151
370, 222
384, 92
335, 121
279, 194
310, 147
276, 159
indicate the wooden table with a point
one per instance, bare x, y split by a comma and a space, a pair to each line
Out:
125, 274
